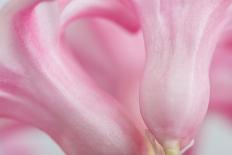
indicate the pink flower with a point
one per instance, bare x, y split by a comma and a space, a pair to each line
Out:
84, 82
43, 85
180, 38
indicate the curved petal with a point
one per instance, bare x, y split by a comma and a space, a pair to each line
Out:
180, 38
47, 90
91, 43
8, 145
114, 63
20, 139
100, 54
110, 9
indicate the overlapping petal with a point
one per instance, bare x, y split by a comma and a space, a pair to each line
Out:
52, 79
45, 86
114, 63
116, 66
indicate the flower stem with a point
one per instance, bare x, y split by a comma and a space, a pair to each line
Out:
172, 148
173, 151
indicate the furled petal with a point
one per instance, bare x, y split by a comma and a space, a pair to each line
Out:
180, 38
44, 86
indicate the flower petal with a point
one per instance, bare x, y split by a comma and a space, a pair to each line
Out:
114, 63
47, 90
221, 75
100, 55
180, 38
110, 9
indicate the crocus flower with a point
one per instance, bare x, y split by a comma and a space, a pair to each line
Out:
88, 101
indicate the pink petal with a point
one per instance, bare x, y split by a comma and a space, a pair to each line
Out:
110, 9
100, 55
9, 140
180, 38
221, 75
220, 80
44, 86
114, 63
21, 139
